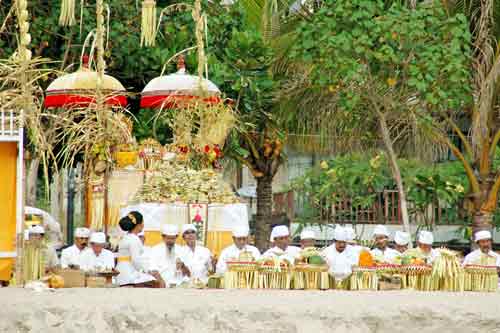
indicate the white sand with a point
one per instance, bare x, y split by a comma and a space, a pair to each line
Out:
147, 310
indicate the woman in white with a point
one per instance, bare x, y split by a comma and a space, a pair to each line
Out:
131, 264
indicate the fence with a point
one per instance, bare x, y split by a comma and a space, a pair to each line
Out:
386, 209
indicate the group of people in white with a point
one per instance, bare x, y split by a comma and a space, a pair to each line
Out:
169, 264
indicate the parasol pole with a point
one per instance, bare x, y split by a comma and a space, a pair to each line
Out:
101, 66
24, 55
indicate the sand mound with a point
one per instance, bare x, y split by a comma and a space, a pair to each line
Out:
143, 310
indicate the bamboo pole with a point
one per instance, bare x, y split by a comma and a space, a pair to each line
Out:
24, 55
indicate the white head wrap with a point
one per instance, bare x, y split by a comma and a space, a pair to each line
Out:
339, 234
169, 230
241, 231
37, 230
350, 233
280, 231
426, 237
307, 234
483, 234
402, 238
98, 238
381, 230
188, 227
82, 233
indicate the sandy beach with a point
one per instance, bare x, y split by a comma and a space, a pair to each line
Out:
146, 310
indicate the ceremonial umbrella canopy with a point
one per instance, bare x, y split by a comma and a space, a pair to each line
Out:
79, 88
168, 91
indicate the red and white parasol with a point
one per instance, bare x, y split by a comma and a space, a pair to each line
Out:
79, 88
168, 91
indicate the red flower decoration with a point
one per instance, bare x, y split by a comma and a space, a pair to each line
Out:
217, 151
207, 149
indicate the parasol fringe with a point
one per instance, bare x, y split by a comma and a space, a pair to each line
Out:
148, 23
67, 15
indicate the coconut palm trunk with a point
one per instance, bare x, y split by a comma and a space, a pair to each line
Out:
264, 211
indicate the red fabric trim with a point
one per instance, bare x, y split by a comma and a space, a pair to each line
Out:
169, 101
54, 101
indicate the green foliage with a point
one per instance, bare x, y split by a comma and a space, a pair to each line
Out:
361, 179
359, 48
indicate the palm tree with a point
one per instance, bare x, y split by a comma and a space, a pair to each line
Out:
480, 147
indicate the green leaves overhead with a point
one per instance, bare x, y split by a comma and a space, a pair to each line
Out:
351, 44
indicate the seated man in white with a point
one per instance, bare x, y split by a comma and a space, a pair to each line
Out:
307, 238
483, 255
382, 252
70, 256
401, 241
240, 245
195, 261
339, 256
281, 238
165, 256
96, 258
424, 246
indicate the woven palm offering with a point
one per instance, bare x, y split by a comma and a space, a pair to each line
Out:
34, 260
175, 182
310, 271
390, 276
481, 278
242, 273
274, 273
447, 273
150, 153
417, 276
364, 278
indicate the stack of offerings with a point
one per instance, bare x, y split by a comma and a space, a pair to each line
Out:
274, 273
389, 276
311, 271
447, 273
364, 276
481, 278
243, 273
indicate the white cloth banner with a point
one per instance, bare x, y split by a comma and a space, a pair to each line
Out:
220, 217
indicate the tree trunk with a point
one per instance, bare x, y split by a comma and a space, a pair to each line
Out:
264, 211
32, 182
396, 173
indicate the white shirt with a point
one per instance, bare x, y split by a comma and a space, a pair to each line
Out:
477, 257
70, 256
132, 269
146, 257
198, 261
340, 263
89, 261
290, 254
165, 262
386, 256
233, 253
